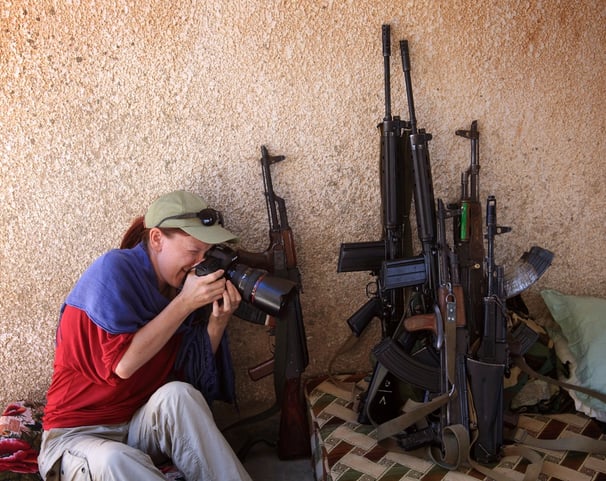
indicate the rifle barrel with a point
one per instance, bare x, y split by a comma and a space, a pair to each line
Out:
406, 67
386, 31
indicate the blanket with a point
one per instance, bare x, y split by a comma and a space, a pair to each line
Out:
20, 437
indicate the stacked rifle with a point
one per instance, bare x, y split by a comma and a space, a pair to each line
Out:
286, 325
444, 350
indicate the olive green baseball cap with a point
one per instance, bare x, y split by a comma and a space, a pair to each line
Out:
190, 213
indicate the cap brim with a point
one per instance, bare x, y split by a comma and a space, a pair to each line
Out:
214, 234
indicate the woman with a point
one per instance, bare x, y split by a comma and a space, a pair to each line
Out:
136, 325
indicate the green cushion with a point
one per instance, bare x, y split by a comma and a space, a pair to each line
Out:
583, 323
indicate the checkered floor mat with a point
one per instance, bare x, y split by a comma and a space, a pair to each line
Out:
344, 450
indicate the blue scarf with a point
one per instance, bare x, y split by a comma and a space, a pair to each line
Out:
119, 292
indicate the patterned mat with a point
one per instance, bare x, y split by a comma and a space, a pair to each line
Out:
344, 450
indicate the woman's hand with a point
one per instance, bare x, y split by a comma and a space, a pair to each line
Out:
221, 314
198, 291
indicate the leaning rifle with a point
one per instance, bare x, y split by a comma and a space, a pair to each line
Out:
468, 235
420, 272
385, 303
390, 260
438, 384
487, 370
291, 355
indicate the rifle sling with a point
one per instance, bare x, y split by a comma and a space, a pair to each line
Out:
350, 387
533, 470
413, 411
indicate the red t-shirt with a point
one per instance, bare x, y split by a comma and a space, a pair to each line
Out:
84, 389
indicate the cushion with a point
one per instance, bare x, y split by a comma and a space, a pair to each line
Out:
20, 436
582, 320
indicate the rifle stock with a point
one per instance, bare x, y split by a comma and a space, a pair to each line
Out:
261, 370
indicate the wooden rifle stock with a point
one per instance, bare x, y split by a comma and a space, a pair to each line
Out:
294, 437
261, 370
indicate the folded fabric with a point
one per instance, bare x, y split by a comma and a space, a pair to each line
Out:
20, 434
582, 320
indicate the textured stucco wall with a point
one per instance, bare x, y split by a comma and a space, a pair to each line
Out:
106, 105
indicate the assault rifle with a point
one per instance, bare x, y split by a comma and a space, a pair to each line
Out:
291, 356
395, 164
400, 276
385, 303
421, 272
468, 235
486, 372
469, 245
436, 373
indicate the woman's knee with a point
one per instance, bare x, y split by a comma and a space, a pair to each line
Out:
177, 393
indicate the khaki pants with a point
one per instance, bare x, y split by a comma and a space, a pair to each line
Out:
175, 423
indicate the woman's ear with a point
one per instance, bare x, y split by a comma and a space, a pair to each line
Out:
155, 239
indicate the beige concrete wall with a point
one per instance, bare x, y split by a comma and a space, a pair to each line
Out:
106, 105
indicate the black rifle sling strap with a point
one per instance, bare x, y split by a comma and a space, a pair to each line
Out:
351, 387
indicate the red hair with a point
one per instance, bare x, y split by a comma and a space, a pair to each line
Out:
135, 233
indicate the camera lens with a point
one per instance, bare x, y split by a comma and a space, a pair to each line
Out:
268, 293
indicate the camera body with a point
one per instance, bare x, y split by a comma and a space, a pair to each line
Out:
218, 257
256, 286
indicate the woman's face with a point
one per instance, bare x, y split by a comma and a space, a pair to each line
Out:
175, 255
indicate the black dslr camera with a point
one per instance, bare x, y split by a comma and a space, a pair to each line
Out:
268, 293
